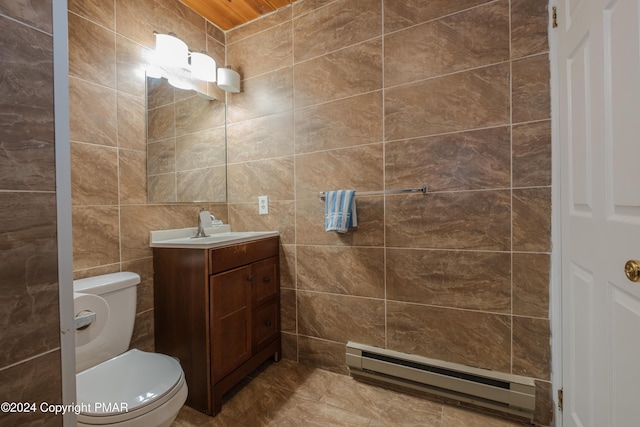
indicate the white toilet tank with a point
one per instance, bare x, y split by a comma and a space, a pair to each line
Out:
113, 298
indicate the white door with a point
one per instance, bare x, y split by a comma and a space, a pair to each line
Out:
599, 76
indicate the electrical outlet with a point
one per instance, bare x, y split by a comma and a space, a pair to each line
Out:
263, 205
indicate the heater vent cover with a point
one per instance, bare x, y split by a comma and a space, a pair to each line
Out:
508, 393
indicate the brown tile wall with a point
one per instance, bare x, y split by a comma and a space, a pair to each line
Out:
347, 94
108, 41
30, 369
378, 95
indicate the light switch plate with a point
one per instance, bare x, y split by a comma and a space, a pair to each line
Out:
263, 205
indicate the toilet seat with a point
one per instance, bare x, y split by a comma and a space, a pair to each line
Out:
142, 381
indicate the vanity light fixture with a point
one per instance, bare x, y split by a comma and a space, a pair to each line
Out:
172, 60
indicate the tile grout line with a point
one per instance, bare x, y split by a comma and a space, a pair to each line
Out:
115, 44
295, 179
511, 183
384, 187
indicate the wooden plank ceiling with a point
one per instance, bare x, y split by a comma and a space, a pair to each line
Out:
228, 14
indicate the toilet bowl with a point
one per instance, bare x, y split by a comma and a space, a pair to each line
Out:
116, 387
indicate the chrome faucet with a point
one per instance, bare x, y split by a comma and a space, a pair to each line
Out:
201, 232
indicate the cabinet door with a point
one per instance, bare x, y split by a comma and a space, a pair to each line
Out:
266, 283
230, 295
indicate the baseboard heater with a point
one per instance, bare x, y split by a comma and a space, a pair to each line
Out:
507, 393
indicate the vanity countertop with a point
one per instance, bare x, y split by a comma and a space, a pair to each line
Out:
182, 238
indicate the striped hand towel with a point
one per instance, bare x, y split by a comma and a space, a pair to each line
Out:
340, 210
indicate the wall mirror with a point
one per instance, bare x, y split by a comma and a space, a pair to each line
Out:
186, 145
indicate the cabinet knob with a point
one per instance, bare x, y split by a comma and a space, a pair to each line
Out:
250, 278
267, 323
266, 279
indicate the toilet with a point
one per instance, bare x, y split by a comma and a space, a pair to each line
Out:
116, 387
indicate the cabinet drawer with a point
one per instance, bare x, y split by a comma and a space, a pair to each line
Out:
265, 280
228, 257
266, 325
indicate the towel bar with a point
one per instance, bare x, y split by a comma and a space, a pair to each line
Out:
424, 189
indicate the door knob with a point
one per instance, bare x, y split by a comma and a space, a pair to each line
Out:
632, 270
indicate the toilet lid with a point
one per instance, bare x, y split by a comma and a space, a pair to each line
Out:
126, 382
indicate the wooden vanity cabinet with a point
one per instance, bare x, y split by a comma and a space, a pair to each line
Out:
217, 311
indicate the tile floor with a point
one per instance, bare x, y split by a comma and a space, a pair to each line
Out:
289, 394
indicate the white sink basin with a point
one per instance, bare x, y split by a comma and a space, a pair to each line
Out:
221, 236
